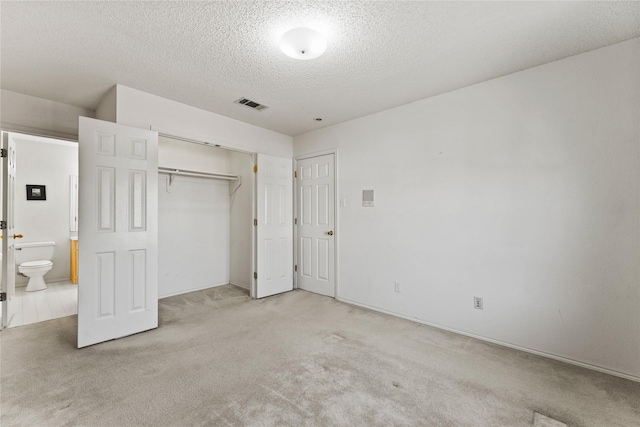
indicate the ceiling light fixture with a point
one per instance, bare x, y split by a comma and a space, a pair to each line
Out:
303, 43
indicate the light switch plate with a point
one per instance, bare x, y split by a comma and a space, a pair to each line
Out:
367, 198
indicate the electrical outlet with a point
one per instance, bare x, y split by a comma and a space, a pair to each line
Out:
396, 286
477, 303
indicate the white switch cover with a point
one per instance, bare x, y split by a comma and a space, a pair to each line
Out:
367, 198
343, 202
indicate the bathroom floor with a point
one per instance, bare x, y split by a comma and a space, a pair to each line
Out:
60, 299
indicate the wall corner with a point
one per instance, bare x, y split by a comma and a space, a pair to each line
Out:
107, 108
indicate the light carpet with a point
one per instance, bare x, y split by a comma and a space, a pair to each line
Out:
296, 359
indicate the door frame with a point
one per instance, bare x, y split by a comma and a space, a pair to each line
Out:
7, 265
29, 132
200, 140
336, 198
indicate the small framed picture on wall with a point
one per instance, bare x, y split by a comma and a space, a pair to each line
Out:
36, 192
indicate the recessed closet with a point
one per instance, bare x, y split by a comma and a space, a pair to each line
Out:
205, 205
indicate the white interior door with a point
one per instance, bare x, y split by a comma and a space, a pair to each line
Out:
118, 231
274, 231
316, 224
8, 235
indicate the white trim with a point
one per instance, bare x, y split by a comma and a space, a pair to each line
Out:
43, 139
187, 291
336, 216
45, 133
316, 154
498, 342
240, 286
253, 289
202, 140
294, 214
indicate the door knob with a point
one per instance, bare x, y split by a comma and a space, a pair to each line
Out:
18, 236
330, 233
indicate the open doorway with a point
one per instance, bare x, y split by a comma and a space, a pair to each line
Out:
205, 216
45, 225
225, 217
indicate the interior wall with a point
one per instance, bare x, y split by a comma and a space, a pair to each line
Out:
29, 114
193, 219
522, 190
242, 220
144, 110
174, 153
41, 161
107, 108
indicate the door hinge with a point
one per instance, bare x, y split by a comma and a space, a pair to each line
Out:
295, 221
255, 222
3, 152
3, 225
255, 169
3, 296
255, 275
295, 174
295, 268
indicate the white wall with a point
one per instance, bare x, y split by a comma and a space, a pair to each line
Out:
194, 227
523, 190
242, 220
42, 161
107, 108
140, 109
173, 153
29, 114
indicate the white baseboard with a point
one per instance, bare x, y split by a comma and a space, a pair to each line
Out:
240, 286
23, 284
173, 294
502, 343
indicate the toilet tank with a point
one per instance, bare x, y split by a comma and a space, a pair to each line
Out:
34, 251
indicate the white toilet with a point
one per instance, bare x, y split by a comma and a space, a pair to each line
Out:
34, 261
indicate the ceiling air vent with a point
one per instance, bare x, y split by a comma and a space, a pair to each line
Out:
251, 104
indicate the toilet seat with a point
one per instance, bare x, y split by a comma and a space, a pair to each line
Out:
35, 264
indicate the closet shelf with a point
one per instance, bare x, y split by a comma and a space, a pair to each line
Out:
235, 181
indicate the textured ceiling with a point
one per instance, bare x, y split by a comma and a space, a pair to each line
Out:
208, 54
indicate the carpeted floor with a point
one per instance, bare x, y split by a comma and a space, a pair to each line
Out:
297, 359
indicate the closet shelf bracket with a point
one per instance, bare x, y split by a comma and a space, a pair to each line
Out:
234, 185
235, 181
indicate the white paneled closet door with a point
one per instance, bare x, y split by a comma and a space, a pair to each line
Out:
274, 233
118, 231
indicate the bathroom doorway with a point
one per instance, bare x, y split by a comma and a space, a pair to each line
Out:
45, 217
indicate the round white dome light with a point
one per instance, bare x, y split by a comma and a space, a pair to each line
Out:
303, 43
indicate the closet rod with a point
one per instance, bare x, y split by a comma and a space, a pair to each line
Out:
185, 172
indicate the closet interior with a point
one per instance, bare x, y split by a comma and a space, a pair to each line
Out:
205, 216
